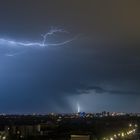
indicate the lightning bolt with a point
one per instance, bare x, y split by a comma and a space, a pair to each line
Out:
78, 107
12, 43
52, 32
14, 54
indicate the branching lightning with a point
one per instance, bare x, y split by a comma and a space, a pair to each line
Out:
12, 43
52, 32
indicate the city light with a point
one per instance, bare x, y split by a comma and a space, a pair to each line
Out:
127, 133
4, 138
130, 125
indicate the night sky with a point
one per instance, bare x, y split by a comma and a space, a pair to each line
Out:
98, 70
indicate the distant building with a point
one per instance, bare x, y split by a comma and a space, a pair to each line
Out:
83, 137
80, 137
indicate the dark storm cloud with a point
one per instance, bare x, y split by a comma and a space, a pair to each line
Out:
44, 78
106, 59
96, 89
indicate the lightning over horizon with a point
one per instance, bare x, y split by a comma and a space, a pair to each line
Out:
69, 56
78, 108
